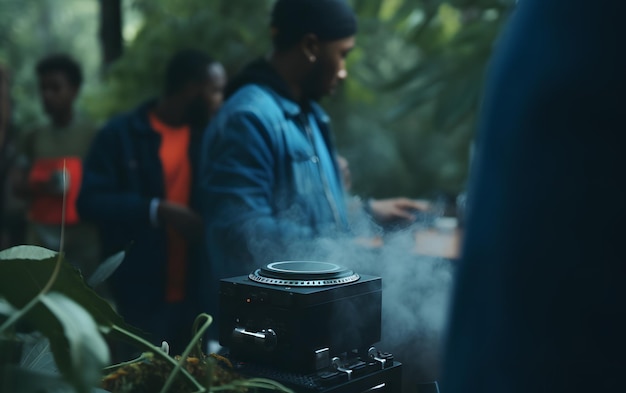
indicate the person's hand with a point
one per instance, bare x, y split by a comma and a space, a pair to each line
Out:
396, 209
181, 219
369, 242
59, 182
56, 184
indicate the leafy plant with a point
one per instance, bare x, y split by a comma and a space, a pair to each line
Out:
57, 324
41, 293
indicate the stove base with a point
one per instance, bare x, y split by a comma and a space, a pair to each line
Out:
373, 380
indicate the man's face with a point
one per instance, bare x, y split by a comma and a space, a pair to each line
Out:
329, 68
214, 89
205, 98
57, 93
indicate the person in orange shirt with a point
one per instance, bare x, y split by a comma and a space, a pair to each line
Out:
139, 188
49, 151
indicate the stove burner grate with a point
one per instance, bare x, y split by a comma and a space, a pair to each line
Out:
303, 274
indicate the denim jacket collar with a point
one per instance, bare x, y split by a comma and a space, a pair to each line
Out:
291, 109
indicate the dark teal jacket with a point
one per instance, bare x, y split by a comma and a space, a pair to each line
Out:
122, 173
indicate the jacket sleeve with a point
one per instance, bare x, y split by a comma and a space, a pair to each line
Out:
105, 196
238, 183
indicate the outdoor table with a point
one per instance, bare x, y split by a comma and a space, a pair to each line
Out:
445, 243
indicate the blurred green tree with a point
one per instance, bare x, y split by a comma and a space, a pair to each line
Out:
405, 117
32, 29
110, 31
230, 31
408, 114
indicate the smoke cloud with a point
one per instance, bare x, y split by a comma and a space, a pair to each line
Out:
416, 291
416, 288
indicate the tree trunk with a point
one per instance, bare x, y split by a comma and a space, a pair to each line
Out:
111, 30
5, 109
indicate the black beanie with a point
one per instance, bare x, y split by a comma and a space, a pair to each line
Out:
329, 20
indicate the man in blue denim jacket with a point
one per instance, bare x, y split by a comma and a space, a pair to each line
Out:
269, 176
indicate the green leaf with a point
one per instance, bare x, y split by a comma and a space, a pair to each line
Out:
22, 277
6, 308
27, 252
106, 269
37, 354
16, 379
87, 351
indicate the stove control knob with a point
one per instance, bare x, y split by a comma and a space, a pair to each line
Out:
336, 362
266, 338
375, 356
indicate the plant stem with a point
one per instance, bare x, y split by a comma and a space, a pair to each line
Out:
53, 277
196, 338
63, 207
114, 367
157, 352
197, 348
19, 314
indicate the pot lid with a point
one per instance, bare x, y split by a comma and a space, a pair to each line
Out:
303, 273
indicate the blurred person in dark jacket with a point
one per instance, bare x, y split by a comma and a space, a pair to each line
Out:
540, 300
140, 188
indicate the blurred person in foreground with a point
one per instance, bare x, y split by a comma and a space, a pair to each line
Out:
140, 188
270, 181
43, 153
540, 302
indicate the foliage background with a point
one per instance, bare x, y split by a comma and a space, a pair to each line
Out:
405, 118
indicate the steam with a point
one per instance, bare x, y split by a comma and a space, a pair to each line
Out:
416, 289
416, 295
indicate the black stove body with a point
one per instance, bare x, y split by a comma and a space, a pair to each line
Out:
295, 325
309, 325
356, 376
